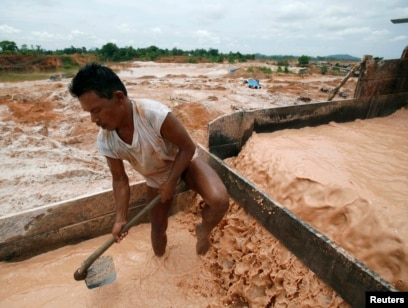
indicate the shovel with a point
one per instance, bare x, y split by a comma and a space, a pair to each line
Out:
102, 270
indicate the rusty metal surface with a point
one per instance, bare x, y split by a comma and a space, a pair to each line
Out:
382, 77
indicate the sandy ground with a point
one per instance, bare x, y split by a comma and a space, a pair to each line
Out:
48, 154
47, 149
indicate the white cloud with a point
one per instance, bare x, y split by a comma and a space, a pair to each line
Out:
156, 30
353, 32
77, 33
206, 38
208, 14
43, 35
124, 28
261, 26
8, 29
399, 38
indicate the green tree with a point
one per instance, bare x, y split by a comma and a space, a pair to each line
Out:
24, 49
303, 60
213, 52
176, 52
8, 47
108, 51
282, 62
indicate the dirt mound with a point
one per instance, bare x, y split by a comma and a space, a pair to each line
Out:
254, 72
29, 63
33, 111
195, 117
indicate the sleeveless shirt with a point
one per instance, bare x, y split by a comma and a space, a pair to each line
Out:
149, 153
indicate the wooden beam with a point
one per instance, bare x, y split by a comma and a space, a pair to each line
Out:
399, 21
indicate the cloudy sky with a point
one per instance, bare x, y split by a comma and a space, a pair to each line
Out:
271, 27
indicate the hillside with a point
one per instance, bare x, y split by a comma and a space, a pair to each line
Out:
344, 57
32, 63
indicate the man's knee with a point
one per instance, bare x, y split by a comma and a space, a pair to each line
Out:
223, 201
222, 197
218, 201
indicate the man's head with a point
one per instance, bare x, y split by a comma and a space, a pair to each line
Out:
97, 78
102, 94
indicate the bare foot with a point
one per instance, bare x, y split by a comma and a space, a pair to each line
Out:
203, 242
159, 244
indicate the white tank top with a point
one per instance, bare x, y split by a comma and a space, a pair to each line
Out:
149, 153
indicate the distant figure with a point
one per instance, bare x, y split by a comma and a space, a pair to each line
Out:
150, 137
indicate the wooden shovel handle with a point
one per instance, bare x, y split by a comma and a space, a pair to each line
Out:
80, 273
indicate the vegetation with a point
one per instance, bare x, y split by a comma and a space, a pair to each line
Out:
303, 61
111, 52
324, 69
15, 61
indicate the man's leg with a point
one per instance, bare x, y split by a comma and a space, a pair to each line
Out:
159, 222
200, 177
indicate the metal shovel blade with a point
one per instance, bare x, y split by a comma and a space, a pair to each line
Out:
101, 272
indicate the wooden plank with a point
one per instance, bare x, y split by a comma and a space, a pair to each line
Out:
344, 273
399, 20
57, 215
228, 133
36, 231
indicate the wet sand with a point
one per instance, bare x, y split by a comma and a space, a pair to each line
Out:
348, 180
143, 280
246, 266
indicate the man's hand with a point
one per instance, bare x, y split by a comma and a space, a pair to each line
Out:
117, 227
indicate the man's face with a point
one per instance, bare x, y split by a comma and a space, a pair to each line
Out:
104, 112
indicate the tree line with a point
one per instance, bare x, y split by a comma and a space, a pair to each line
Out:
111, 52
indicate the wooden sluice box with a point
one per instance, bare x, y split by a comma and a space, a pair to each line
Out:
382, 89
349, 277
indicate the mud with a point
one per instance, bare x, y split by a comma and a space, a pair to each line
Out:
48, 154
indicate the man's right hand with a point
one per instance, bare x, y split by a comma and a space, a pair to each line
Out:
117, 227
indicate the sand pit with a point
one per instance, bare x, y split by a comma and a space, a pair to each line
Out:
48, 154
52, 141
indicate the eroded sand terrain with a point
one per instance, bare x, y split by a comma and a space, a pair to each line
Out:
47, 149
52, 143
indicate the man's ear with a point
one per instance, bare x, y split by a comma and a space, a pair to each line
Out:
119, 96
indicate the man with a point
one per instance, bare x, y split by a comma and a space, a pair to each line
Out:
156, 144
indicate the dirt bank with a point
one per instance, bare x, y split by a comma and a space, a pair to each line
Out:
32, 63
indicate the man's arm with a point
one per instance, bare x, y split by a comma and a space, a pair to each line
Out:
173, 130
121, 191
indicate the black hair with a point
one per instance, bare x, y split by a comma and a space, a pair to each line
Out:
98, 78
